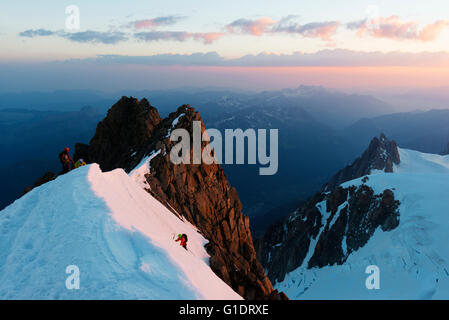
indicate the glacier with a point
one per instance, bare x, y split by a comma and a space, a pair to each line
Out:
413, 259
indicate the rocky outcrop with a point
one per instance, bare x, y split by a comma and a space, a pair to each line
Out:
327, 229
49, 176
333, 224
381, 155
127, 128
199, 193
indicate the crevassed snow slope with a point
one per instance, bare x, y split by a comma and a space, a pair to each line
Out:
118, 235
413, 259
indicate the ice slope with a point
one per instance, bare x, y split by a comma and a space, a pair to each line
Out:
413, 259
118, 235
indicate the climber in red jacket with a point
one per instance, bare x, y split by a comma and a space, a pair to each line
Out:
183, 239
65, 159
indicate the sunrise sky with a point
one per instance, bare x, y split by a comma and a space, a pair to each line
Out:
145, 44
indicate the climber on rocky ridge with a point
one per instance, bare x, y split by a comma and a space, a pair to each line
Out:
79, 163
65, 159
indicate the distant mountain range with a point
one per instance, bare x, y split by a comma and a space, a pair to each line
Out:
424, 131
320, 132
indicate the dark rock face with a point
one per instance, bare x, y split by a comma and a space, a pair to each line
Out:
339, 222
49, 176
380, 155
198, 192
332, 224
127, 128
81, 152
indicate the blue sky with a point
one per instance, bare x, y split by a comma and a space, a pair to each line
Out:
33, 32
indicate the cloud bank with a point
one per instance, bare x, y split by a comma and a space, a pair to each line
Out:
392, 27
323, 58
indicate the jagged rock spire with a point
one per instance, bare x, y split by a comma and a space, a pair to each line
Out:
128, 126
381, 155
199, 193
332, 224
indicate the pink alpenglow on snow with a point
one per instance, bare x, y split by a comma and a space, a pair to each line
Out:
117, 235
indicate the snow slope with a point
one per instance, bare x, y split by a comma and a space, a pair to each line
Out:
118, 235
413, 259
143, 168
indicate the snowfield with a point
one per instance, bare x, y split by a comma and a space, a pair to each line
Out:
413, 259
117, 234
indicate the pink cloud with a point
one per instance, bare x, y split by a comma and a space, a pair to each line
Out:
322, 30
156, 35
155, 22
208, 37
142, 24
254, 27
432, 31
395, 28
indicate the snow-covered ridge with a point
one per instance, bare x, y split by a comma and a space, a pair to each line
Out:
417, 162
118, 235
413, 258
143, 168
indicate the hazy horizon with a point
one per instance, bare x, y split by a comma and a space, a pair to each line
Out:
400, 99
